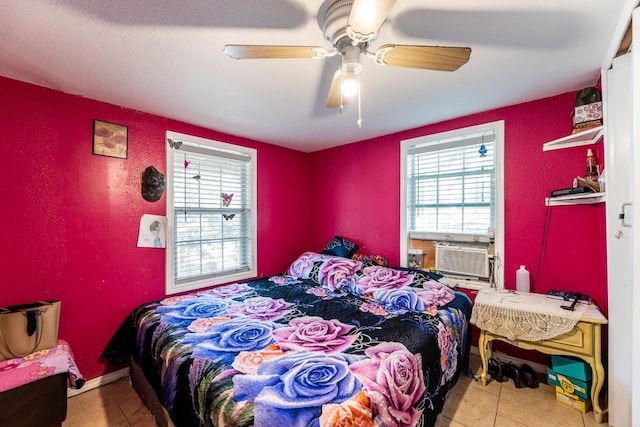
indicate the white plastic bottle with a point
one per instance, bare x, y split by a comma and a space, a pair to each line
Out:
523, 279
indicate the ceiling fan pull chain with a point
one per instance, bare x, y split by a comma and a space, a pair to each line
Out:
341, 83
359, 122
341, 95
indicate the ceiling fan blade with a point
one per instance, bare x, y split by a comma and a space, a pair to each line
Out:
366, 17
240, 51
440, 58
334, 99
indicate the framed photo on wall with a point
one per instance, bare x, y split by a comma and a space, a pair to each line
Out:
109, 139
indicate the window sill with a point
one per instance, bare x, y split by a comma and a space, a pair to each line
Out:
468, 284
449, 237
196, 285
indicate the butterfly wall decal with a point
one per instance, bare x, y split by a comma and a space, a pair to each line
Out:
228, 217
483, 151
196, 177
226, 199
174, 144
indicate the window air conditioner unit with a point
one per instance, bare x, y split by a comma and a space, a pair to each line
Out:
464, 260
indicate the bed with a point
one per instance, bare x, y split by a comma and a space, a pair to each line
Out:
332, 341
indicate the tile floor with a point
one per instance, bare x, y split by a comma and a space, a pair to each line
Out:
469, 405
114, 405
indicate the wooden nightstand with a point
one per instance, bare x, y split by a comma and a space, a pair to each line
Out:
584, 341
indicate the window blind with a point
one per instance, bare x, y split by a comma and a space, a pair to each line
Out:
451, 185
212, 213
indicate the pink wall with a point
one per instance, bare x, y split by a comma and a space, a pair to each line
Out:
72, 217
357, 195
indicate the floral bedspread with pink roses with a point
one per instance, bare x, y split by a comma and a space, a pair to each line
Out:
332, 342
38, 365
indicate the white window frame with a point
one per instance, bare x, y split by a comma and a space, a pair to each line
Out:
498, 128
171, 287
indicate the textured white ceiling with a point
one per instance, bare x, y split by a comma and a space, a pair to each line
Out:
166, 58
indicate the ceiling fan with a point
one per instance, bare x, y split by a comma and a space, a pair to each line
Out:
350, 26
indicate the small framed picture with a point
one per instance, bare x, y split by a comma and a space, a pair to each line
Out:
109, 139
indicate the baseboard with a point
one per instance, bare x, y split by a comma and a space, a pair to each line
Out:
539, 368
99, 382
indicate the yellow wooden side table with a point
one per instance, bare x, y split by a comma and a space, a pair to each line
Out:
583, 341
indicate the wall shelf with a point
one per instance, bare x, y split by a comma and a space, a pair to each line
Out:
586, 137
576, 199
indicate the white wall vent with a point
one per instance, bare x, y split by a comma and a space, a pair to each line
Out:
464, 260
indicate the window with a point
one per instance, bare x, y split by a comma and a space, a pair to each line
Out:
452, 187
211, 213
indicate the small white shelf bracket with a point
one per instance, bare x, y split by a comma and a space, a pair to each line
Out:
587, 137
576, 199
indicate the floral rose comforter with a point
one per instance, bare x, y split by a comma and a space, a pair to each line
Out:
333, 342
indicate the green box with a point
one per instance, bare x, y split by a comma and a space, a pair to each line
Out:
573, 368
570, 385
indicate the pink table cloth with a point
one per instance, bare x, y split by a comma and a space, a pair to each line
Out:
38, 365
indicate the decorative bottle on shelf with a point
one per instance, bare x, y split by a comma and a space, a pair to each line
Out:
592, 167
522, 279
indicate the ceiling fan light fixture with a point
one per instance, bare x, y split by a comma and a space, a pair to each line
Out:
350, 85
350, 69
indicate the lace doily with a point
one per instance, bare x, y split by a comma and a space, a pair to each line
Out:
523, 316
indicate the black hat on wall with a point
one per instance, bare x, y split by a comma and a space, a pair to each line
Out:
153, 183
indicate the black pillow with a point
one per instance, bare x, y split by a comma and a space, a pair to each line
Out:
340, 246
